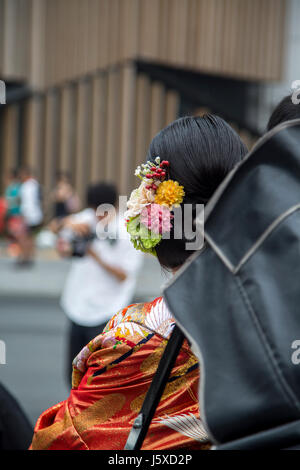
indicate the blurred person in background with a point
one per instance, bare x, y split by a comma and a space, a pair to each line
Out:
187, 161
15, 227
12, 194
31, 210
65, 199
103, 274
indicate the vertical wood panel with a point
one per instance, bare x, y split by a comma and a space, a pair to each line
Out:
201, 42
172, 105
66, 39
113, 32
103, 33
149, 28
164, 9
254, 20
246, 31
230, 35
191, 32
37, 43
10, 139
278, 39
98, 128
113, 126
9, 37
130, 19
182, 31
128, 128
2, 37
72, 46
218, 45
33, 141
143, 105
101, 127
68, 128
157, 108
82, 152
262, 37
51, 140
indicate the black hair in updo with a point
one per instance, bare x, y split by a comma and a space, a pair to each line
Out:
201, 152
286, 110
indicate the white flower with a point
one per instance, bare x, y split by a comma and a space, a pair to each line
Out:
139, 198
137, 171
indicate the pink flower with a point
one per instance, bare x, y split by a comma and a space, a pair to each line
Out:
157, 218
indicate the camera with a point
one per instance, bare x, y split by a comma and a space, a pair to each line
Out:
73, 245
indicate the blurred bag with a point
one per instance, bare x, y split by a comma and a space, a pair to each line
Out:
238, 300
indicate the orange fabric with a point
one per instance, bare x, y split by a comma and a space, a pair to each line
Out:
110, 379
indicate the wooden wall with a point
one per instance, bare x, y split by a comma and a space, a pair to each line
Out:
15, 39
229, 37
90, 112
49, 41
98, 128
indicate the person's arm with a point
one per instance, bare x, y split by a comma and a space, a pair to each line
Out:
116, 272
81, 228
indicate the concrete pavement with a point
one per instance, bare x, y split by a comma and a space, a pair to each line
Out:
34, 331
46, 278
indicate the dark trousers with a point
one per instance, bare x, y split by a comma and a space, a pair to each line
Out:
80, 336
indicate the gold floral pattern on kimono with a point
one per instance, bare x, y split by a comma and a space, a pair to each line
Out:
111, 376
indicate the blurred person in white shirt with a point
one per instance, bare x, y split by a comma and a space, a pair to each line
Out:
31, 211
104, 267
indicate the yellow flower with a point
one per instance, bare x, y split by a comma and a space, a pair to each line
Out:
169, 193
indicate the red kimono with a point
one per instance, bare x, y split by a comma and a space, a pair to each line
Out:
111, 376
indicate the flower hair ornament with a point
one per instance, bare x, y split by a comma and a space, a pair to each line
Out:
149, 215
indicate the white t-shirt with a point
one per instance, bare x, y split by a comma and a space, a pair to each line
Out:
92, 295
30, 202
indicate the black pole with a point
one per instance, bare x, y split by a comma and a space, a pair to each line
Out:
142, 422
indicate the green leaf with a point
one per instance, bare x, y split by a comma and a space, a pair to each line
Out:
141, 237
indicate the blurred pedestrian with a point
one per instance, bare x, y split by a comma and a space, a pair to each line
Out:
12, 194
103, 274
31, 210
65, 199
14, 222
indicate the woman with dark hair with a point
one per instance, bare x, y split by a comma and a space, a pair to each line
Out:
208, 150
186, 163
